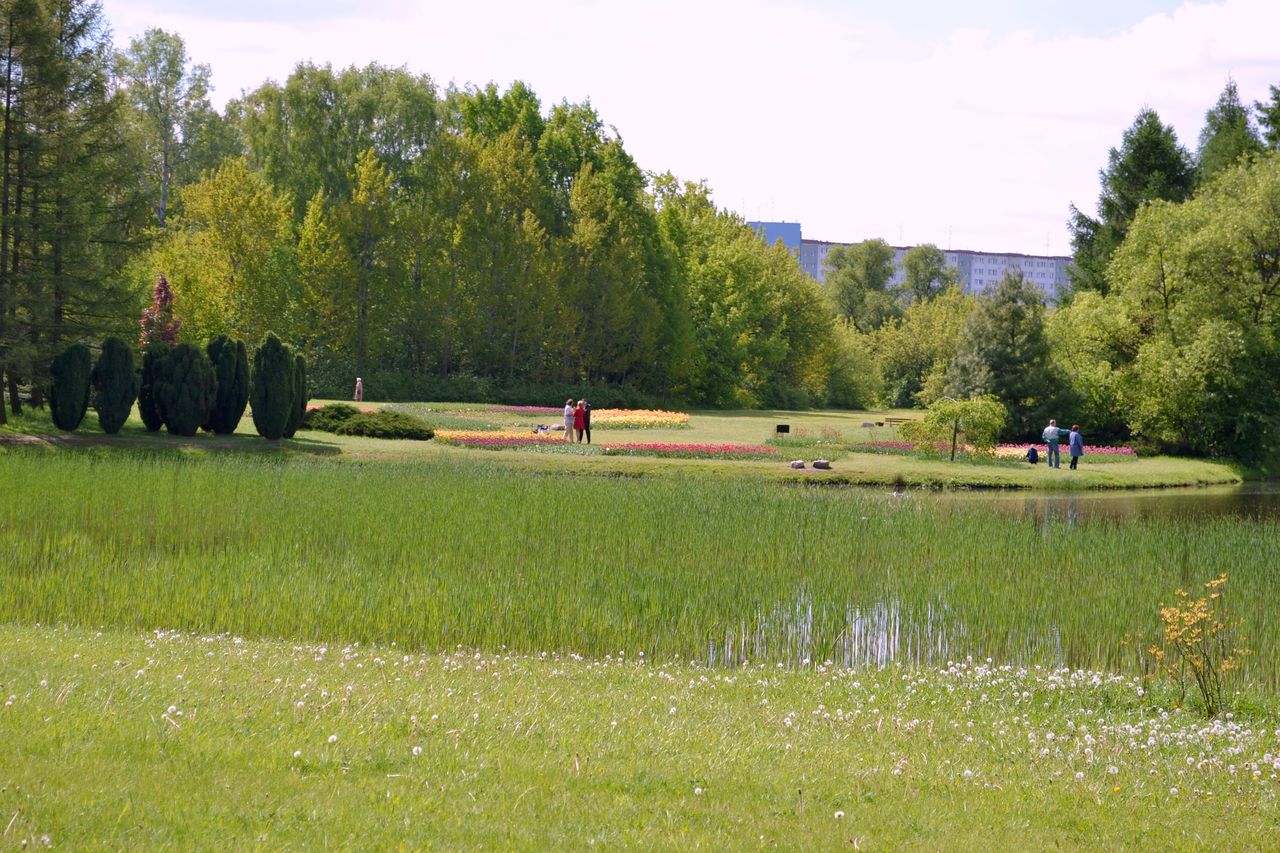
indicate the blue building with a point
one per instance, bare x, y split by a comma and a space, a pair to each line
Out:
979, 272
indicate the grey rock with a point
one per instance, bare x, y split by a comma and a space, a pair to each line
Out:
822, 464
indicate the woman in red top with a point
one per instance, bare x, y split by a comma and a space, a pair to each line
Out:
579, 420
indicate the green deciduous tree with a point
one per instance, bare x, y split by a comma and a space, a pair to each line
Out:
1199, 286
857, 278
915, 350
1002, 351
115, 385
170, 109
978, 420
69, 390
925, 274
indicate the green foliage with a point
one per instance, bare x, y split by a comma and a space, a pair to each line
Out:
914, 351
230, 362
925, 274
271, 393
1227, 136
148, 407
1148, 165
1269, 118
1198, 285
299, 397
978, 419
385, 424
857, 278
1002, 351
1088, 339
327, 418
115, 385
69, 389
185, 388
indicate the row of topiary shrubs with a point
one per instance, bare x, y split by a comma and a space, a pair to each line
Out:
182, 388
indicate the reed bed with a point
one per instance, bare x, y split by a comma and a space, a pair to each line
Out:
443, 552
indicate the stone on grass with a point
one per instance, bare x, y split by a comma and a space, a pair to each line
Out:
822, 464
797, 463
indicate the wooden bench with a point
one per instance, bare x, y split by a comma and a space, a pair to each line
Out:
896, 421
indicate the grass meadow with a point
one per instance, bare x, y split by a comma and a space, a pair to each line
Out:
172, 740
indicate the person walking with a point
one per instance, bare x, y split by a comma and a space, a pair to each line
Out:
568, 419
578, 420
1052, 435
586, 419
1075, 445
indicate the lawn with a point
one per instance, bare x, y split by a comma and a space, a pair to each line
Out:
705, 427
163, 739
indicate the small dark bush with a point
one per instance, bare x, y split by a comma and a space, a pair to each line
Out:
271, 393
299, 397
185, 388
69, 393
384, 424
328, 418
152, 355
230, 363
115, 385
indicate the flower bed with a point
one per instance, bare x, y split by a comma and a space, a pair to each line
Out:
528, 410
498, 439
638, 419
1020, 450
692, 451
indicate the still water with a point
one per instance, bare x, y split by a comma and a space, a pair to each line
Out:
1251, 500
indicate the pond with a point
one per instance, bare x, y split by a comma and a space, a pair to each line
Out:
1257, 500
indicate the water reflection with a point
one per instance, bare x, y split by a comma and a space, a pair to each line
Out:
1252, 500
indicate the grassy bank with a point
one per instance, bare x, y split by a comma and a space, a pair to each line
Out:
438, 552
753, 427
134, 741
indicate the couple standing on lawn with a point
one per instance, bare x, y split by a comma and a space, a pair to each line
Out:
577, 419
1075, 444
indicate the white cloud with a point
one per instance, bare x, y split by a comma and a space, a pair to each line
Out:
981, 141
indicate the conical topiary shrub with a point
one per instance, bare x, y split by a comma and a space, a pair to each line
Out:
299, 397
230, 363
115, 385
271, 394
69, 393
152, 355
185, 389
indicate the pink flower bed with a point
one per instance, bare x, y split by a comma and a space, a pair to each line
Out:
528, 410
692, 451
1089, 449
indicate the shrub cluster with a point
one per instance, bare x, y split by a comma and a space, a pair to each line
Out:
185, 389
329, 418
385, 424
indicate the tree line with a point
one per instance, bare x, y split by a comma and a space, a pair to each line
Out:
470, 242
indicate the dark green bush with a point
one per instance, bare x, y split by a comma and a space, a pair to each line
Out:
69, 393
115, 385
327, 418
152, 355
384, 424
299, 397
185, 388
230, 362
271, 394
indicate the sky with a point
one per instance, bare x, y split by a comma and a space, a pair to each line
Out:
968, 125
